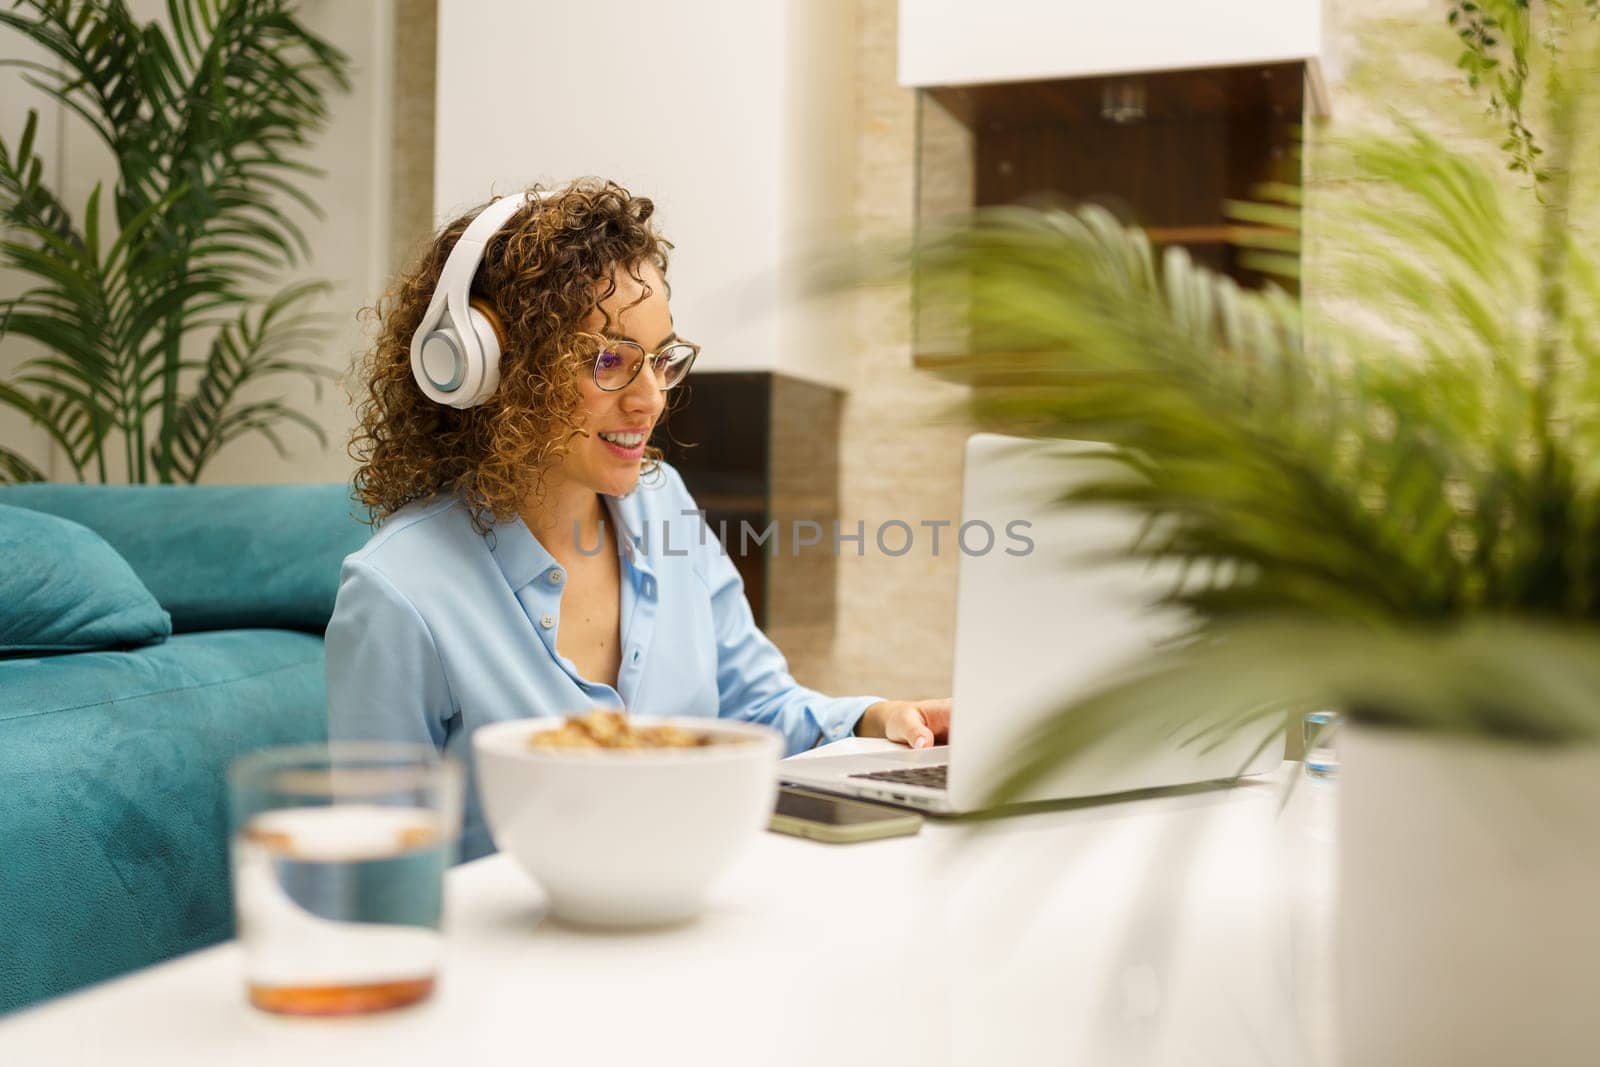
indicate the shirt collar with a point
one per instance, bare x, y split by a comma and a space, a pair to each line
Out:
625, 517
522, 558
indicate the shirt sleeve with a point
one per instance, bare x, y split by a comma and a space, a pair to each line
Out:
753, 680
385, 678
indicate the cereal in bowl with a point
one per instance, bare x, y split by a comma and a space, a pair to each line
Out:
611, 729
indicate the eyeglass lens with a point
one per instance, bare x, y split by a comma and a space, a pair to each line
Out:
620, 361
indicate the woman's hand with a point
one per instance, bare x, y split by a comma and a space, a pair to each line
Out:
918, 723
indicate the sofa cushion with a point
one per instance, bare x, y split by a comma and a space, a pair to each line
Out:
114, 815
221, 556
63, 589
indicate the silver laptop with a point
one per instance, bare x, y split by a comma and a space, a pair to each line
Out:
1034, 628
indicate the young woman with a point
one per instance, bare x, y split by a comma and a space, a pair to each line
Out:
533, 554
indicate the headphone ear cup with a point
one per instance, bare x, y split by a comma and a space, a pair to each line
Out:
486, 322
491, 333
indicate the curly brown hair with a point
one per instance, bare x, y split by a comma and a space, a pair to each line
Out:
543, 274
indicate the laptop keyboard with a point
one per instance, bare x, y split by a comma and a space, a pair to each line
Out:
929, 777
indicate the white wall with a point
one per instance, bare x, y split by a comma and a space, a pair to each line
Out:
733, 116
957, 42
349, 246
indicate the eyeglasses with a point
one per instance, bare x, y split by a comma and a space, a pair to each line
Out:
617, 364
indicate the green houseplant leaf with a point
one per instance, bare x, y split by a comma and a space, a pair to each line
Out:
205, 118
1386, 501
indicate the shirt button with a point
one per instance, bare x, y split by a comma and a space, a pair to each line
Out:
555, 577
547, 621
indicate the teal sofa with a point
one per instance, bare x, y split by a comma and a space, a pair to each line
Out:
113, 802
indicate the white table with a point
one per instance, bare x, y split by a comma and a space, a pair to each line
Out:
1187, 929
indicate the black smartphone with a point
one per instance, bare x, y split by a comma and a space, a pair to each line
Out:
839, 820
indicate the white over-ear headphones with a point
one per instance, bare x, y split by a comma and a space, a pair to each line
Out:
452, 365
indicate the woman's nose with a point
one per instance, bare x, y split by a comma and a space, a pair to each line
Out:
644, 393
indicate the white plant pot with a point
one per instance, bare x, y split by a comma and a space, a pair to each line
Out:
1469, 892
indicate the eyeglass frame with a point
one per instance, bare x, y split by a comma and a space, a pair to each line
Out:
594, 362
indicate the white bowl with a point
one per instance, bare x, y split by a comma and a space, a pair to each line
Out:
626, 837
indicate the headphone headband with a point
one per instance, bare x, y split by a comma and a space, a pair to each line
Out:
446, 336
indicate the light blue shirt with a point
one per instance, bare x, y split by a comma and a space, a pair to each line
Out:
438, 630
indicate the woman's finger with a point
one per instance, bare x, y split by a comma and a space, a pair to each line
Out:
936, 713
914, 728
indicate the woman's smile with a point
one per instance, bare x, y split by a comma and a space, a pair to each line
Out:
625, 444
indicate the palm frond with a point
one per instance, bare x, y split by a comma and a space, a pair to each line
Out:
16, 468
1521, 678
213, 413
25, 201
77, 427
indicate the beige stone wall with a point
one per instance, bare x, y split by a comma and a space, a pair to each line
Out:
411, 128
1389, 62
900, 448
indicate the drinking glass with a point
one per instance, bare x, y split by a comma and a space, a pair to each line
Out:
339, 852
1321, 759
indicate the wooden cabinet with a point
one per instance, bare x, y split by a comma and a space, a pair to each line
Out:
759, 451
1162, 127
1164, 149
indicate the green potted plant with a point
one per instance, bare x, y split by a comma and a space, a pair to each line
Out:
204, 117
1384, 499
